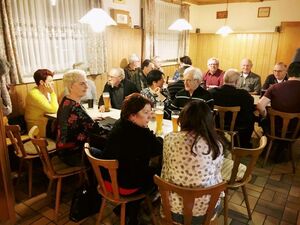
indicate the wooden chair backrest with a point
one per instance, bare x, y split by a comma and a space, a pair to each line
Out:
242, 153
221, 112
40, 145
111, 166
188, 197
13, 132
286, 119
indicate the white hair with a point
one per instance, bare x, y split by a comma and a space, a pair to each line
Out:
71, 76
133, 58
117, 72
209, 61
196, 72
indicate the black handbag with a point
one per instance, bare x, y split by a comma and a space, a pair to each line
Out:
86, 201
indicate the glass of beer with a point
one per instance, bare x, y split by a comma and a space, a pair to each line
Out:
159, 115
106, 100
174, 117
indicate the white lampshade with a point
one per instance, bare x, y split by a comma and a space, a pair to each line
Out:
53, 2
224, 30
98, 19
180, 25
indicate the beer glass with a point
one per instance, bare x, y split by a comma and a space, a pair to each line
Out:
159, 115
106, 100
174, 117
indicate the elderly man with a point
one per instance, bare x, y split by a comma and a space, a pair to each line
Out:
249, 80
118, 88
132, 67
214, 76
229, 95
192, 90
279, 75
139, 79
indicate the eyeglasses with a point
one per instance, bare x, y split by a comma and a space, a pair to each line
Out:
189, 80
213, 64
277, 71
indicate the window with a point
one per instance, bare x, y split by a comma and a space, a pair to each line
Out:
166, 41
50, 36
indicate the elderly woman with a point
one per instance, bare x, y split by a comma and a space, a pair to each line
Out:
193, 157
118, 88
155, 92
133, 144
40, 100
5, 97
73, 123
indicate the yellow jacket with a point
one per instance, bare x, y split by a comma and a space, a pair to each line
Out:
36, 107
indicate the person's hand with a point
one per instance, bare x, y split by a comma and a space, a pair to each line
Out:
157, 90
49, 87
102, 108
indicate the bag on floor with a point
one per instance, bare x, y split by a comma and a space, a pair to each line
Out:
86, 201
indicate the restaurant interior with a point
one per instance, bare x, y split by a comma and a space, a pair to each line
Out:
54, 34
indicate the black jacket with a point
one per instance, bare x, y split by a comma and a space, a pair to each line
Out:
271, 79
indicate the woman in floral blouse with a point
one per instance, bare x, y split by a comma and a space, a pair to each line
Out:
193, 157
74, 124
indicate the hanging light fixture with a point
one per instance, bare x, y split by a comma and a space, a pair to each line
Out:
225, 30
98, 19
180, 25
53, 2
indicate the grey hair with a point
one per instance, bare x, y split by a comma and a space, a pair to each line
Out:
249, 60
196, 72
213, 59
231, 76
117, 72
71, 76
133, 58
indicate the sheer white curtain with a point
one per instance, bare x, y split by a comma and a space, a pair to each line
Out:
51, 36
166, 41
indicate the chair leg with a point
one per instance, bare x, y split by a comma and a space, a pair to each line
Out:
247, 201
101, 211
123, 213
290, 149
20, 171
30, 178
268, 152
153, 217
226, 207
57, 199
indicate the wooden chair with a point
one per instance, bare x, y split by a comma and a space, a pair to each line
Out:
24, 151
114, 196
55, 169
280, 131
188, 197
237, 174
221, 112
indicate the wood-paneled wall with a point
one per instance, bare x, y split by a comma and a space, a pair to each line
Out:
261, 48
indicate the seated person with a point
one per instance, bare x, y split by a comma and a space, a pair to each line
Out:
192, 90
155, 92
6, 101
132, 67
74, 125
133, 144
157, 64
279, 75
249, 80
184, 61
193, 157
214, 76
229, 95
139, 79
118, 88
40, 100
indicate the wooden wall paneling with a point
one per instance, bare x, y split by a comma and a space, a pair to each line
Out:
169, 70
18, 94
289, 41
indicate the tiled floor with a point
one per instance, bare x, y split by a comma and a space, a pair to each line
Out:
274, 195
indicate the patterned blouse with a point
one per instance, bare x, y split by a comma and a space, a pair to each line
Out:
185, 169
73, 124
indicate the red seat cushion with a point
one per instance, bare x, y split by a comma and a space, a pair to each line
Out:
122, 191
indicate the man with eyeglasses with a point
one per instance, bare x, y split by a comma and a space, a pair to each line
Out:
192, 90
214, 75
279, 75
